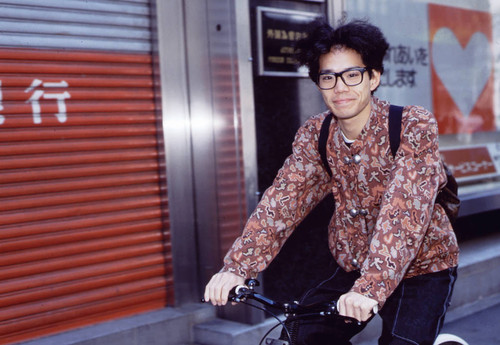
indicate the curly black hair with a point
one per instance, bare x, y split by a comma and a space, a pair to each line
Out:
358, 35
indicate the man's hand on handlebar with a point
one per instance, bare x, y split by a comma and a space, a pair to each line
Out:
218, 287
357, 306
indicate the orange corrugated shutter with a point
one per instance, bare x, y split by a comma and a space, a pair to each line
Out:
83, 234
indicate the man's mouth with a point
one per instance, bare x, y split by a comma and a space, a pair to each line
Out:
342, 101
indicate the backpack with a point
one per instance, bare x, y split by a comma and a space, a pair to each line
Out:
447, 196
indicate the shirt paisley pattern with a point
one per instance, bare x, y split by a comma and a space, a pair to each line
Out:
386, 222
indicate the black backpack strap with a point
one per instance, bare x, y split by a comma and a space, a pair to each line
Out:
395, 117
323, 138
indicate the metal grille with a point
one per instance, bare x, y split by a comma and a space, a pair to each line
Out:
81, 232
76, 24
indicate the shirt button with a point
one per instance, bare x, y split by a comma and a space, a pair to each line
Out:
363, 212
355, 263
347, 160
357, 159
353, 212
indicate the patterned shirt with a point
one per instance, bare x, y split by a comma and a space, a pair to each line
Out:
385, 223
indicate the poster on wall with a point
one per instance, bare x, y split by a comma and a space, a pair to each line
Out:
462, 69
441, 57
406, 78
277, 32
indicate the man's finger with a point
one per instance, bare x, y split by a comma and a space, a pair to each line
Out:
341, 306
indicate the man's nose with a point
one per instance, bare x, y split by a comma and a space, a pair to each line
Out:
340, 86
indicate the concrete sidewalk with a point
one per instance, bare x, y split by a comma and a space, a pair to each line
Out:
480, 328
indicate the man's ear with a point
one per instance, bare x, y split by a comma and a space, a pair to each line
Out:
374, 80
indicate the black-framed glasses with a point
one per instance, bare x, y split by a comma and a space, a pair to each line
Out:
350, 77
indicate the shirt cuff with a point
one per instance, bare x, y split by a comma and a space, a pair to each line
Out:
376, 290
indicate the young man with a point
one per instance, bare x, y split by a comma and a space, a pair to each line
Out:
393, 246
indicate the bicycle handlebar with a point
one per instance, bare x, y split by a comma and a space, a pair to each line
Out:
241, 293
292, 311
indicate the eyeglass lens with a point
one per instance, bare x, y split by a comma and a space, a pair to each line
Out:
350, 77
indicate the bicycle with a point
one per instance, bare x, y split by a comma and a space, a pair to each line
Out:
295, 311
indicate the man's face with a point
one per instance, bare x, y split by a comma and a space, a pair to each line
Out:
347, 102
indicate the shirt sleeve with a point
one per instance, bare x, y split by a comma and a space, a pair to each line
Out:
299, 186
406, 209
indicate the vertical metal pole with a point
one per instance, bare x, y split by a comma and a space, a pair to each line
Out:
175, 115
247, 102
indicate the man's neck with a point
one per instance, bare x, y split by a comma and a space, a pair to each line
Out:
352, 127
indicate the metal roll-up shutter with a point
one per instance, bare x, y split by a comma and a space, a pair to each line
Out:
84, 233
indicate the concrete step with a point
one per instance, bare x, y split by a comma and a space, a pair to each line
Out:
225, 332
477, 287
172, 326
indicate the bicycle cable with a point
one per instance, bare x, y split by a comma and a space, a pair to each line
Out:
269, 332
273, 315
